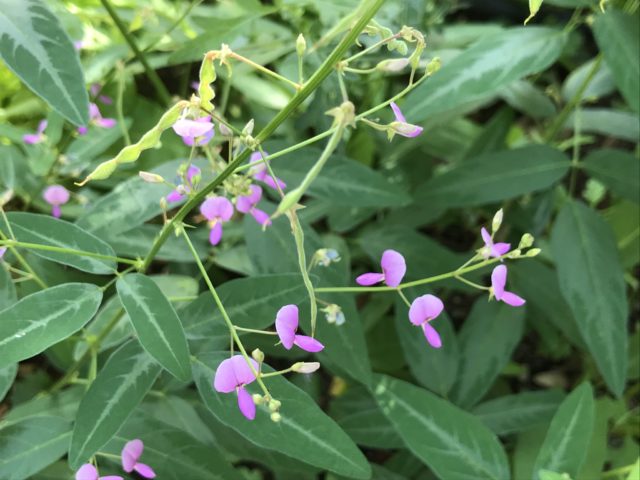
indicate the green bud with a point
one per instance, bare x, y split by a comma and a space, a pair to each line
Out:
533, 252
274, 405
433, 66
301, 45
392, 65
497, 221
257, 399
276, 417
534, 6
526, 241
258, 355
305, 367
150, 177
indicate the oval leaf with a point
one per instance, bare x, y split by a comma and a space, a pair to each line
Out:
41, 319
617, 169
115, 393
53, 232
156, 323
35, 46
452, 442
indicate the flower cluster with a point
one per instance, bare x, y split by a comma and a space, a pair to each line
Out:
130, 455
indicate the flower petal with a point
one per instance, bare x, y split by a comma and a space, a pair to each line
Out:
243, 372
215, 234
42, 126
287, 324
393, 267
225, 380
261, 216
191, 128
56, 211
217, 208
425, 308
512, 299
3, 250
397, 112
408, 130
433, 337
106, 122
111, 477
56, 195
500, 249
174, 196
245, 404
370, 278
486, 237
87, 472
131, 452
308, 344
32, 138
499, 280
144, 470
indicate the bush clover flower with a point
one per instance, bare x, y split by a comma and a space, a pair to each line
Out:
89, 472
401, 126
424, 309
287, 325
247, 204
491, 249
192, 178
56, 195
498, 282
131, 453
393, 270
232, 375
216, 210
95, 118
95, 91
260, 172
195, 132
38, 137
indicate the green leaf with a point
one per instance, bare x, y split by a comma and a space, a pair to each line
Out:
7, 376
606, 121
617, 169
8, 294
528, 99
156, 323
488, 337
111, 310
569, 434
29, 445
53, 232
592, 283
618, 36
519, 412
117, 390
44, 318
35, 46
305, 432
484, 69
451, 442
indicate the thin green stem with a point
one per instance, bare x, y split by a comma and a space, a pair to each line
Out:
575, 156
404, 298
470, 283
11, 244
343, 87
159, 87
379, 43
298, 235
276, 373
266, 70
51, 248
251, 330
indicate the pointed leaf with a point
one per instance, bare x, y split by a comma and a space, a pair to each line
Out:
617, 169
7, 376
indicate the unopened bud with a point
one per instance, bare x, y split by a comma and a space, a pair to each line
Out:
274, 405
150, 177
533, 252
163, 204
305, 367
258, 355
224, 130
276, 417
392, 65
497, 221
301, 45
248, 128
257, 399
433, 66
514, 253
526, 241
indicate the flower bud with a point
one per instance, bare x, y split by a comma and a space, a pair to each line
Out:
274, 405
224, 130
433, 66
514, 253
258, 355
333, 314
276, 417
248, 128
392, 65
163, 204
301, 45
533, 252
497, 221
526, 241
257, 399
305, 367
150, 177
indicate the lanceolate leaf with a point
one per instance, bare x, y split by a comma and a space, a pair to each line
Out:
452, 442
29, 445
35, 46
7, 289
156, 323
115, 393
305, 432
592, 283
567, 440
7, 375
41, 319
617, 169
49, 231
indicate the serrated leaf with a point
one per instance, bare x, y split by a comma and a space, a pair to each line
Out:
117, 390
305, 432
44, 318
592, 283
29, 445
156, 323
451, 442
567, 440
53, 232
35, 46
617, 169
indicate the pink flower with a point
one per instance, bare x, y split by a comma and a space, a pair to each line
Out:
131, 453
287, 325
198, 131
423, 310
2, 251
217, 210
393, 270
492, 249
89, 472
95, 90
95, 118
247, 204
260, 172
498, 281
401, 127
38, 137
56, 195
232, 375
175, 195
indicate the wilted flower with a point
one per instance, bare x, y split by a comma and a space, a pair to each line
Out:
326, 256
491, 249
400, 126
198, 131
131, 453
260, 172
38, 137
193, 174
247, 204
89, 472
333, 314
232, 375
423, 310
393, 270
56, 195
498, 282
287, 325
392, 65
95, 118
217, 210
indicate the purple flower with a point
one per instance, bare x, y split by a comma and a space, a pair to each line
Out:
89, 472
95, 118
498, 281
78, 45
393, 270
492, 249
232, 375
247, 204
401, 127
131, 453
422, 311
176, 195
56, 195
3, 250
38, 137
287, 325
198, 131
217, 210
95, 90
260, 172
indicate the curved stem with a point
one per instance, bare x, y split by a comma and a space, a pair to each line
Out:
51, 248
11, 244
